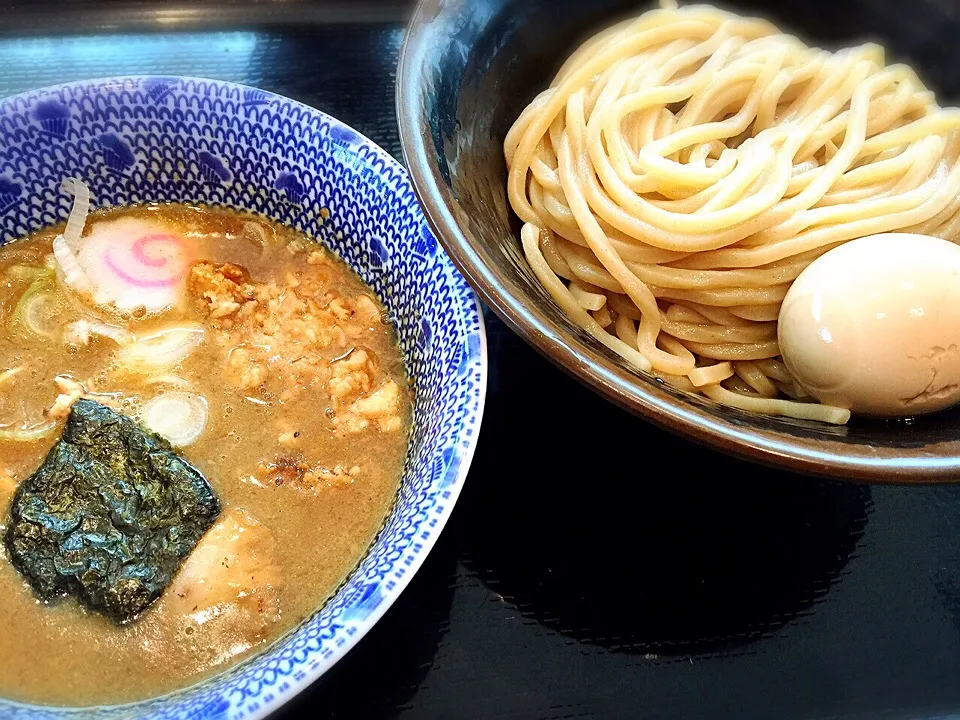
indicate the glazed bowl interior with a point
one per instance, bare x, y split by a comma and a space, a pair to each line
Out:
135, 140
468, 69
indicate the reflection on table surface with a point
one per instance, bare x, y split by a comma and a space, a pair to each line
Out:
597, 566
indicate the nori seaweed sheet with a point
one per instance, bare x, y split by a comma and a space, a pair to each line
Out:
109, 515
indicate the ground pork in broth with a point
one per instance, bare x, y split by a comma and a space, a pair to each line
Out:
308, 423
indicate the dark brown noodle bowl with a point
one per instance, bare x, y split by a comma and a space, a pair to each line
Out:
469, 68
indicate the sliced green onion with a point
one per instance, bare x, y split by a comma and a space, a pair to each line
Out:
36, 312
177, 416
28, 272
37, 432
79, 332
163, 348
10, 373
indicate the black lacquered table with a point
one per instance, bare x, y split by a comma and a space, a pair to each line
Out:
595, 565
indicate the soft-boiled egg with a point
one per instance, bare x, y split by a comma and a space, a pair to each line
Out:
874, 326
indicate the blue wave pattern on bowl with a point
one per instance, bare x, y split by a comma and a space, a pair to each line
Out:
177, 139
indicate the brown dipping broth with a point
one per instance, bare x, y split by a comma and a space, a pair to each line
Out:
63, 655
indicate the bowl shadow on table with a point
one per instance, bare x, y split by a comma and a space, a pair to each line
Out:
615, 533
385, 670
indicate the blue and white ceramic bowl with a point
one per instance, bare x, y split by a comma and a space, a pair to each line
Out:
137, 140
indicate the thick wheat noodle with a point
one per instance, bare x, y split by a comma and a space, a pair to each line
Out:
685, 166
